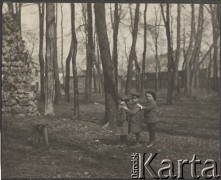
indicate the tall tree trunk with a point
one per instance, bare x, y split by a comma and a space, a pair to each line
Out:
94, 63
137, 68
189, 52
169, 54
144, 49
62, 46
157, 79
215, 24
132, 51
108, 67
57, 99
156, 36
197, 48
67, 76
18, 15
177, 56
209, 74
94, 80
50, 55
41, 42
115, 47
97, 64
88, 80
74, 67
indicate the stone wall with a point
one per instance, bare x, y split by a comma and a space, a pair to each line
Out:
17, 94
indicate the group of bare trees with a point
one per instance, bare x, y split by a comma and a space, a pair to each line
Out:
50, 84
192, 53
98, 50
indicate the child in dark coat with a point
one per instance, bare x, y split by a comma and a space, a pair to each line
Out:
135, 117
150, 118
121, 121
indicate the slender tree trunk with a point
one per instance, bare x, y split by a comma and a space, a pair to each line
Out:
57, 99
144, 50
94, 63
215, 24
189, 52
209, 74
137, 72
97, 64
177, 56
108, 67
88, 80
67, 77
95, 80
40, 55
156, 35
132, 51
137, 68
62, 46
115, 47
197, 48
157, 71
169, 55
18, 15
50, 55
74, 67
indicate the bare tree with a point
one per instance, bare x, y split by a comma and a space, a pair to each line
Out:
62, 44
41, 10
97, 64
74, 67
177, 55
155, 31
215, 14
197, 48
145, 48
132, 55
94, 79
67, 76
169, 54
115, 46
90, 48
108, 67
188, 54
209, 73
50, 55
55, 63
18, 15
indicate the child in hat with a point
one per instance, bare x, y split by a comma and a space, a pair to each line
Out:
150, 118
121, 120
135, 116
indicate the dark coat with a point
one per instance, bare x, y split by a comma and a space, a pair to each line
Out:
121, 123
136, 116
150, 114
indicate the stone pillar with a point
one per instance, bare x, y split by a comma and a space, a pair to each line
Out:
17, 94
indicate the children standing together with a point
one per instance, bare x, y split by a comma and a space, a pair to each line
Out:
135, 116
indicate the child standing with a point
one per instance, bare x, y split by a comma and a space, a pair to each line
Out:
135, 117
121, 120
150, 118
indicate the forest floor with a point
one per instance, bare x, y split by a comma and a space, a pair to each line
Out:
81, 148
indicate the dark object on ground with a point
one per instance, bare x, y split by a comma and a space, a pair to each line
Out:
40, 135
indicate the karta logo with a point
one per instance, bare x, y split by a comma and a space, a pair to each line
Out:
142, 167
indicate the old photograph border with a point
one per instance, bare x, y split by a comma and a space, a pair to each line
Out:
106, 130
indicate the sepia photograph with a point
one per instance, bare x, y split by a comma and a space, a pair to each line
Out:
110, 90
